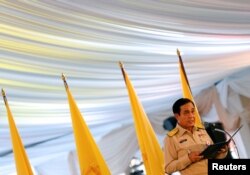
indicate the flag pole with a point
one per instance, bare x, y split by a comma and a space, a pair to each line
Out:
183, 68
90, 159
186, 90
21, 160
150, 148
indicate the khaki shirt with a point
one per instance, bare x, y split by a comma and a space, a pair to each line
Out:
180, 142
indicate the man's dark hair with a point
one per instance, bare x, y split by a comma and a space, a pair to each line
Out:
180, 102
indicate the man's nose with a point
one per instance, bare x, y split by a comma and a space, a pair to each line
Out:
191, 115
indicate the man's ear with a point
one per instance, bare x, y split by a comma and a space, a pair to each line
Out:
177, 116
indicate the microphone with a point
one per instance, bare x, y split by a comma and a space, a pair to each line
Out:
232, 150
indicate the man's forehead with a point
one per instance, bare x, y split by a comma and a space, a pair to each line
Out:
188, 106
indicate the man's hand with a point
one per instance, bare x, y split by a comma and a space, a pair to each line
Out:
222, 153
195, 156
223, 149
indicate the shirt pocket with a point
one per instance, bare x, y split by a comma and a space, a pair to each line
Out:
183, 145
204, 139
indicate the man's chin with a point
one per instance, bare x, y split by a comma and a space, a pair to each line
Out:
191, 124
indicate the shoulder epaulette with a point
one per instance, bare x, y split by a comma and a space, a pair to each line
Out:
200, 127
173, 132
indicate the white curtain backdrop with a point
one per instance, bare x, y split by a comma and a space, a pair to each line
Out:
85, 40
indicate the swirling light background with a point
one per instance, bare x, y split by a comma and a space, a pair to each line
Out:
85, 40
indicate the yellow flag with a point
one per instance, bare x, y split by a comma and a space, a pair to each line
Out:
90, 158
22, 163
151, 151
186, 90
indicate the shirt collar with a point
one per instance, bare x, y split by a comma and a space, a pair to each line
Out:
183, 130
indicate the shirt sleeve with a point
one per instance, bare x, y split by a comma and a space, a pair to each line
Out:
171, 161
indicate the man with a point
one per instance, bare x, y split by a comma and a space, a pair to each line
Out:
183, 144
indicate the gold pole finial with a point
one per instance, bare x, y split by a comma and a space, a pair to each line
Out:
121, 65
4, 97
178, 52
3, 93
122, 69
64, 81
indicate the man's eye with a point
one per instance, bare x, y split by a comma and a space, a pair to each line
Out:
186, 112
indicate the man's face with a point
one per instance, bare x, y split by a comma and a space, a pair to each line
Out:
186, 117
